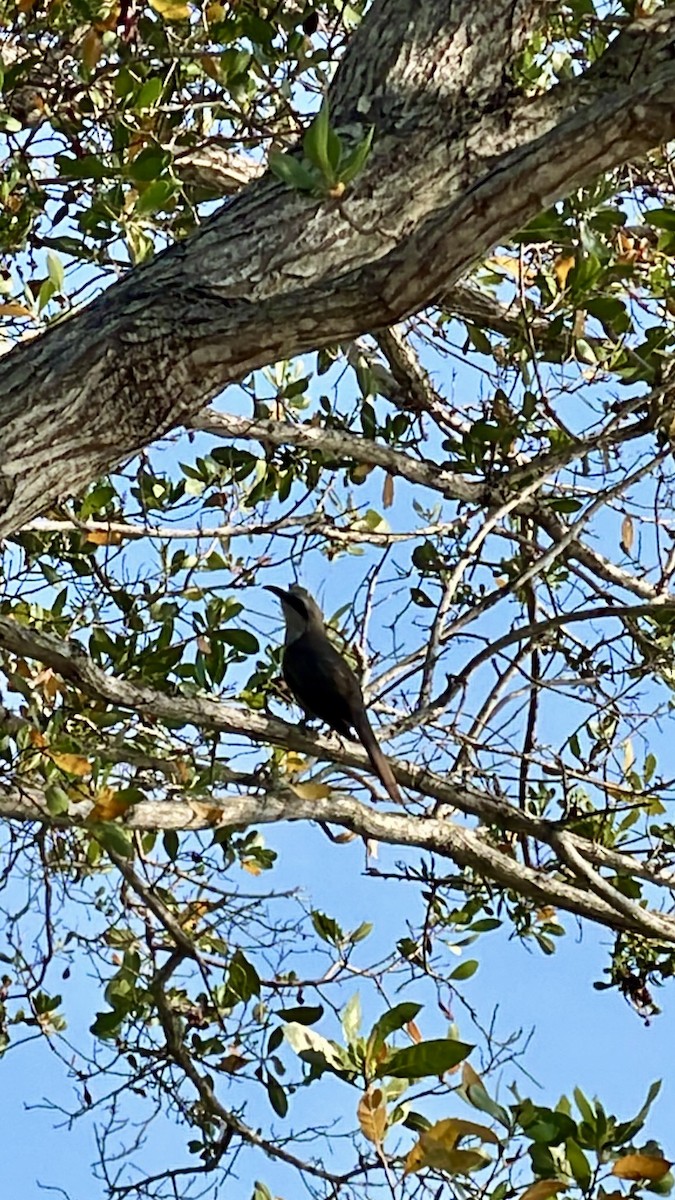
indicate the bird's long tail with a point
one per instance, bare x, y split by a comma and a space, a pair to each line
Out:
380, 765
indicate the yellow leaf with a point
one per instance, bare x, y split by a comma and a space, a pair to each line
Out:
292, 762
92, 46
372, 1115
360, 472
181, 770
74, 764
13, 309
36, 738
209, 65
627, 534
471, 1078
171, 10
437, 1147
107, 805
49, 682
388, 491
641, 1166
506, 262
543, 1189
547, 913
311, 791
103, 537
253, 867
562, 267
207, 813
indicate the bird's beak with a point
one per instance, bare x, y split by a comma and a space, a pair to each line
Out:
280, 593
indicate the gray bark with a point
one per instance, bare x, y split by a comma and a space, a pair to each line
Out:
460, 160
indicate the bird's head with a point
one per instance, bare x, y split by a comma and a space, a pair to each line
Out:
300, 610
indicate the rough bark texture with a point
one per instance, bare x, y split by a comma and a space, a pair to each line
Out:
459, 161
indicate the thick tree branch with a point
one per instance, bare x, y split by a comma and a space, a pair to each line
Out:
275, 273
590, 896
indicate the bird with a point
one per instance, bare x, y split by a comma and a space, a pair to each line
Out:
322, 681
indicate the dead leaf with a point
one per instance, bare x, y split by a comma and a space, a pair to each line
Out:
506, 262
388, 491
547, 913
437, 1148
413, 1032
207, 813
108, 805
372, 1115
252, 867
103, 537
171, 10
207, 62
627, 534
291, 763
49, 682
310, 791
92, 46
562, 267
182, 771
13, 309
74, 764
543, 1189
641, 1166
231, 1063
471, 1078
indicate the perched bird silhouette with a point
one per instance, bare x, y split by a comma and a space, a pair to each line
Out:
322, 681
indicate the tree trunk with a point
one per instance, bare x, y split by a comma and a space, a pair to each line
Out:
460, 159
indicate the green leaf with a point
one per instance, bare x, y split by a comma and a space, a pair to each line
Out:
350, 1017
303, 1014
106, 1025
626, 1131
57, 800
465, 970
243, 980
291, 172
354, 163
149, 164
241, 639
395, 1018
662, 218
150, 93
585, 1107
434, 1057
171, 844
327, 928
87, 167
55, 271
261, 1191
321, 145
156, 196
312, 1048
112, 837
277, 1096
579, 1164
